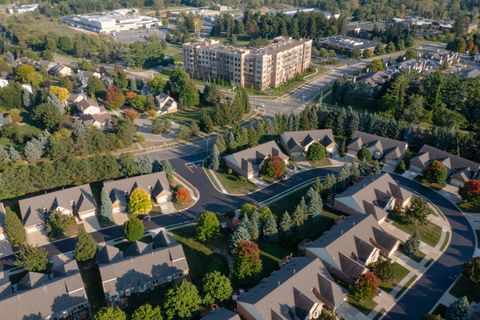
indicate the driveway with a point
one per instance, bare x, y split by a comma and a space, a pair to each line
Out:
418, 301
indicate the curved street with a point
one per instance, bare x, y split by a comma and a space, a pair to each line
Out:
417, 301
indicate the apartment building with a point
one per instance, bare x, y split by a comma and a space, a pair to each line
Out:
258, 68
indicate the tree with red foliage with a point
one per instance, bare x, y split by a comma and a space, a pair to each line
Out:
365, 288
130, 114
247, 263
115, 97
470, 192
435, 172
273, 167
182, 195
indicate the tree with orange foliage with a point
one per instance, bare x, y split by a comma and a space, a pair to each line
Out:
182, 195
130, 95
365, 288
115, 98
130, 114
273, 167
470, 192
246, 262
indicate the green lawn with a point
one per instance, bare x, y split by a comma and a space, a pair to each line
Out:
156, 297
401, 272
464, 287
233, 184
364, 307
200, 257
415, 257
436, 186
321, 163
188, 116
272, 253
429, 233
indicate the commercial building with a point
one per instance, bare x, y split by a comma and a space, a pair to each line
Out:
460, 170
23, 8
114, 21
258, 68
347, 44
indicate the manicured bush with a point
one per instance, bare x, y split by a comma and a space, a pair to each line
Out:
316, 152
133, 229
435, 172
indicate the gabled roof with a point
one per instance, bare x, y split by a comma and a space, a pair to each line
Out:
375, 190
221, 314
391, 149
155, 183
33, 209
292, 291
43, 297
252, 157
138, 269
350, 242
296, 141
108, 254
428, 154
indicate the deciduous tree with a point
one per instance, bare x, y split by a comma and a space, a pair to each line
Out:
458, 310
316, 152
182, 301
182, 195
133, 229
472, 270
85, 247
365, 288
246, 262
139, 202
435, 172
32, 258
147, 312
110, 313
216, 288
208, 226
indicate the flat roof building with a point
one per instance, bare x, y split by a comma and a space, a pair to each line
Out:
347, 44
113, 21
258, 68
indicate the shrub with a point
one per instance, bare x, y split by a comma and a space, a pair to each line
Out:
470, 192
208, 226
182, 195
59, 223
472, 270
435, 172
365, 288
316, 152
273, 167
133, 229
364, 154
139, 202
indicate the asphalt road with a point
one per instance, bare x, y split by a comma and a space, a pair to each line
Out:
418, 301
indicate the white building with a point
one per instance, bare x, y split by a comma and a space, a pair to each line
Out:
114, 21
23, 8
3, 83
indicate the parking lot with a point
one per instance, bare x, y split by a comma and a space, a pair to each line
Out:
139, 35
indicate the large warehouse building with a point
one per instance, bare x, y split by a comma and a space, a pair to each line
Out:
114, 21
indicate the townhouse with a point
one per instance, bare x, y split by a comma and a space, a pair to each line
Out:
141, 267
296, 143
155, 183
248, 162
460, 170
389, 150
165, 104
299, 290
77, 202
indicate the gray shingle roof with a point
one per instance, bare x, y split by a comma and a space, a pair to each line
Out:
78, 198
295, 141
391, 149
375, 190
44, 296
221, 314
252, 157
351, 241
2, 216
453, 163
156, 183
295, 288
138, 269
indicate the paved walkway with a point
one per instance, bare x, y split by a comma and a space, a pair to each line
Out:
217, 183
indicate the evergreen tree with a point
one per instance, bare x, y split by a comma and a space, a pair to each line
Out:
412, 245
215, 158
106, 205
144, 164
270, 230
253, 227
4, 156
78, 128
315, 204
300, 214
14, 154
240, 234
14, 228
167, 167
458, 310
85, 247
285, 223
340, 121
33, 150
32, 258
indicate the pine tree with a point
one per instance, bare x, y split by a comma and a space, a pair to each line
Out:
285, 223
270, 230
215, 158
241, 234
300, 214
411, 246
315, 204
106, 205
4, 156
144, 164
253, 227
458, 310
14, 154
167, 167
78, 128
33, 150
